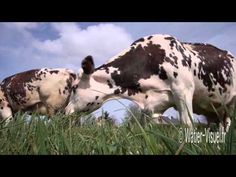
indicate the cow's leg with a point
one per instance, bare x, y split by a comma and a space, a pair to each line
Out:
54, 103
212, 118
143, 117
145, 113
41, 108
224, 122
158, 103
228, 123
156, 117
227, 119
51, 111
183, 100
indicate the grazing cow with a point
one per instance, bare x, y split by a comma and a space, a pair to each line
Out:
158, 72
42, 90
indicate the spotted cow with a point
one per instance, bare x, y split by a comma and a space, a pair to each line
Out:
158, 72
41, 90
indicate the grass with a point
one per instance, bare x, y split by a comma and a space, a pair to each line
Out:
62, 135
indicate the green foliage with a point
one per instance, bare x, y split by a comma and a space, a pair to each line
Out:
66, 135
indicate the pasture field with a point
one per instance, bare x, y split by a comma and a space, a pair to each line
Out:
62, 136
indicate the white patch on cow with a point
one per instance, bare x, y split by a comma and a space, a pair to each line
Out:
102, 77
112, 69
158, 95
156, 118
228, 123
150, 83
229, 54
213, 79
99, 87
224, 76
202, 71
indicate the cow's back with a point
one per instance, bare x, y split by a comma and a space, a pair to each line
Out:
211, 70
38, 89
214, 74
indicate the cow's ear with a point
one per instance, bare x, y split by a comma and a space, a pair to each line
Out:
88, 65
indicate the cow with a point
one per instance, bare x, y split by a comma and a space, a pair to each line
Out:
158, 72
44, 91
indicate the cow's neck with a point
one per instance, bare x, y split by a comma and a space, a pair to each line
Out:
107, 89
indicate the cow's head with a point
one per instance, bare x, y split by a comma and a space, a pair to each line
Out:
88, 94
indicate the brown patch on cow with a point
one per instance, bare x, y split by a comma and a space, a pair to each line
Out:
96, 97
175, 74
107, 70
175, 60
60, 91
220, 90
172, 41
146, 96
163, 74
73, 75
213, 61
143, 66
31, 88
173, 63
41, 73
150, 37
117, 91
186, 61
1, 107
224, 90
69, 86
54, 72
210, 95
103, 67
15, 86
109, 84
194, 72
74, 88
137, 41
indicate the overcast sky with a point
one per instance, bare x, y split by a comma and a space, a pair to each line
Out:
25, 46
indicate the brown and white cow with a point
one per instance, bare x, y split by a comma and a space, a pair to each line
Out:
41, 90
158, 72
